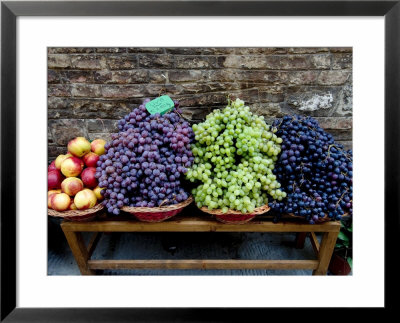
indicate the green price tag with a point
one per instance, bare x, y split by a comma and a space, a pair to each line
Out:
161, 105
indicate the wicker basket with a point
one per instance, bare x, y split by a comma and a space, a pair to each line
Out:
77, 215
157, 214
236, 217
320, 220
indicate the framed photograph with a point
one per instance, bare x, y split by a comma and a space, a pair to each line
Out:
79, 77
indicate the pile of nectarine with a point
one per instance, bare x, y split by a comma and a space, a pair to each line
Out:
72, 184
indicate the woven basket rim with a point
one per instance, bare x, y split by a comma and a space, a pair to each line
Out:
142, 209
73, 213
149, 218
320, 220
258, 210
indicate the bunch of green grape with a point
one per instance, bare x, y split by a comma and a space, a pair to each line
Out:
235, 152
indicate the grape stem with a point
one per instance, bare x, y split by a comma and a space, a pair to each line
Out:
163, 90
329, 152
166, 200
302, 174
229, 99
187, 119
343, 151
163, 202
337, 203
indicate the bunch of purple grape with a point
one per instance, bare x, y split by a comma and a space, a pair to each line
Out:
144, 161
314, 171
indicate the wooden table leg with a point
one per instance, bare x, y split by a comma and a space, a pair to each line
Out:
300, 239
325, 252
94, 240
79, 250
314, 243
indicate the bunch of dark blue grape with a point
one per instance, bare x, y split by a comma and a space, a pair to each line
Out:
314, 171
144, 161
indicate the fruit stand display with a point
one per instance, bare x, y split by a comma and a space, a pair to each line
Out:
315, 171
235, 153
73, 192
142, 169
233, 165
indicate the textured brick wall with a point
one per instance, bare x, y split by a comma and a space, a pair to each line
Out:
90, 88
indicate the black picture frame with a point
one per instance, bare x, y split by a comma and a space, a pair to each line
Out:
10, 10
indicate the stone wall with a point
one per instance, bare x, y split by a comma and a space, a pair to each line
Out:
89, 89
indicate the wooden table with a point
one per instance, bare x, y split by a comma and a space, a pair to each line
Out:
183, 223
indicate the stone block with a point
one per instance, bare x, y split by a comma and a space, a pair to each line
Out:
320, 61
104, 135
342, 61
53, 76
122, 91
58, 90
336, 77
153, 50
101, 125
197, 62
156, 61
112, 50
58, 61
63, 130
88, 62
302, 77
86, 90
71, 50
179, 76
307, 50
122, 62
81, 76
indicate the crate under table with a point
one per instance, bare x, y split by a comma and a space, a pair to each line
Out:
183, 223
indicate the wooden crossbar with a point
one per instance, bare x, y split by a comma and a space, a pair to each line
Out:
203, 264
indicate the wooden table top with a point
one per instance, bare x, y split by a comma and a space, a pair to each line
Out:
199, 223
